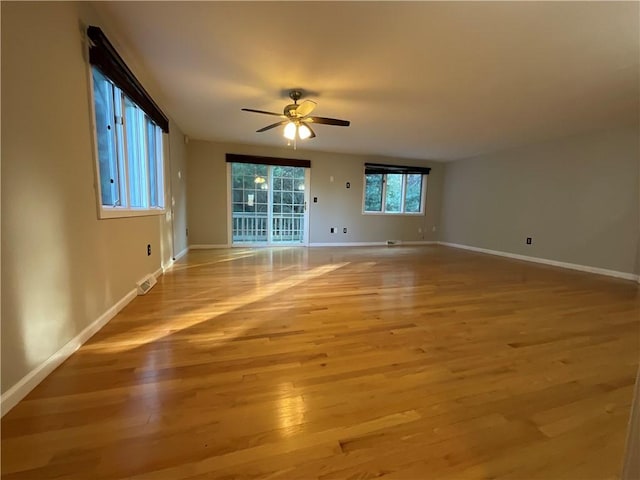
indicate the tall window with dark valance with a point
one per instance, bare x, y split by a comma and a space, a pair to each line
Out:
129, 139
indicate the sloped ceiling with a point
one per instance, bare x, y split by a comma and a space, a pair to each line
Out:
429, 80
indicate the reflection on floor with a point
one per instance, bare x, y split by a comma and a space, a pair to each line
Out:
401, 362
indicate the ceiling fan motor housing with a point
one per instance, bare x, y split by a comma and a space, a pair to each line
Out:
290, 110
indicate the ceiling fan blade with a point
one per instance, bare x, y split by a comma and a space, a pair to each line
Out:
329, 121
262, 111
273, 125
305, 108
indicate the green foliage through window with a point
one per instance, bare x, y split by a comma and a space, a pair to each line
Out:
394, 192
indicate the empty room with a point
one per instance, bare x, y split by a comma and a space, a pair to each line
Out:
320, 240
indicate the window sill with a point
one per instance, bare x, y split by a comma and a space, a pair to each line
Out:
115, 212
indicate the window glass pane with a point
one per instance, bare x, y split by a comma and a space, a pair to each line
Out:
136, 155
106, 139
373, 192
160, 165
393, 196
262, 196
413, 193
249, 185
152, 161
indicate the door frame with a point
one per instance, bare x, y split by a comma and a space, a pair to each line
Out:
269, 243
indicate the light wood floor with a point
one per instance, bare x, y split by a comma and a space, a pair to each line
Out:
292, 363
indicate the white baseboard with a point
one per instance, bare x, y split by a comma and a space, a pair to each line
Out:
315, 244
181, 254
372, 244
555, 263
27, 383
419, 242
168, 265
348, 244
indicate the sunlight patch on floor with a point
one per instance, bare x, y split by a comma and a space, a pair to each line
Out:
151, 333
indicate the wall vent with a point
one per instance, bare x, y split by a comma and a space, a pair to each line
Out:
146, 284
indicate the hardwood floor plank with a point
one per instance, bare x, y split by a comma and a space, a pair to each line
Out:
404, 362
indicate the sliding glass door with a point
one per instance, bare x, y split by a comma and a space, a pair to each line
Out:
268, 204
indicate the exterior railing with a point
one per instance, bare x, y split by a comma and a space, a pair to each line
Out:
253, 228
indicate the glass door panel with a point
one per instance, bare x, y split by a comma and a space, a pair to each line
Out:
250, 201
268, 204
288, 205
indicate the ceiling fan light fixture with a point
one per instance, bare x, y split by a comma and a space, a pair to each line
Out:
297, 120
290, 130
303, 131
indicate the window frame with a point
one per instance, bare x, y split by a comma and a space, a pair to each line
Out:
122, 162
402, 212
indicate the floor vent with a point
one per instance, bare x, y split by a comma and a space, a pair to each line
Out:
146, 284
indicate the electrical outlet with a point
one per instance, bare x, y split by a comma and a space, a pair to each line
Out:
315, 199
148, 250
348, 184
332, 230
528, 240
344, 230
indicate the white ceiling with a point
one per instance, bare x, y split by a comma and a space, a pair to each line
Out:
429, 80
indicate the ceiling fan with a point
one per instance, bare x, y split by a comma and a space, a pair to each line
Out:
296, 119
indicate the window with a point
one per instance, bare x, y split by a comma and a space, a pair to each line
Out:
128, 136
129, 147
391, 189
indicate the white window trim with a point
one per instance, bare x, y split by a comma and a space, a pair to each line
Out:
423, 198
106, 211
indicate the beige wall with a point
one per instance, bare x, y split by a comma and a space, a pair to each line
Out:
178, 185
62, 268
337, 206
576, 197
